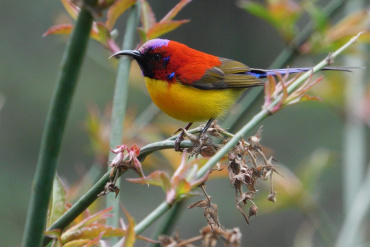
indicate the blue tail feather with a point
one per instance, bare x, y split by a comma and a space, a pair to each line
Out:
263, 73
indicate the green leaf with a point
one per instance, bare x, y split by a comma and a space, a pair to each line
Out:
307, 97
95, 241
147, 16
101, 34
130, 236
318, 16
258, 10
116, 10
72, 9
58, 201
181, 187
161, 28
56, 236
142, 34
77, 243
156, 178
311, 169
173, 12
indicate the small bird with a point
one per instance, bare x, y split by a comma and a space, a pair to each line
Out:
193, 86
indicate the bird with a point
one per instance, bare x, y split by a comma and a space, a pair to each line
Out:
193, 86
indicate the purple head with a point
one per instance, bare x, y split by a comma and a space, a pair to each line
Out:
152, 44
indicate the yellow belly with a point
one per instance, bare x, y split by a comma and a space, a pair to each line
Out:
190, 104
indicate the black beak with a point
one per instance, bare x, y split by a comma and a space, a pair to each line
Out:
133, 53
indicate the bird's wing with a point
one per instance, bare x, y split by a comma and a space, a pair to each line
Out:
230, 74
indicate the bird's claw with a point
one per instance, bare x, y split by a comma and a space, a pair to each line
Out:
178, 140
177, 131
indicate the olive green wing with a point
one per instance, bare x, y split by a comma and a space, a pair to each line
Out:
230, 74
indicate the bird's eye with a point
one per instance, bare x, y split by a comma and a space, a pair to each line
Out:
156, 57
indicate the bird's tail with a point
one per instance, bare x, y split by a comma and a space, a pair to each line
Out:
263, 73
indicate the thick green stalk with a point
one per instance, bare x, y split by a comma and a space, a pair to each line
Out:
153, 216
120, 102
54, 128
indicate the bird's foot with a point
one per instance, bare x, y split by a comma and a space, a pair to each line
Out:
179, 139
202, 145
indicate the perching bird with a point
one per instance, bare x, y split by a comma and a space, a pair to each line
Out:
194, 86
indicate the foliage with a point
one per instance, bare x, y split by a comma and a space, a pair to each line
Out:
284, 15
102, 31
246, 160
87, 230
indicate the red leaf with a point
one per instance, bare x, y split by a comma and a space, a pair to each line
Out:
309, 97
91, 219
116, 10
135, 149
173, 12
59, 29
270, 87
156, 178
93, 231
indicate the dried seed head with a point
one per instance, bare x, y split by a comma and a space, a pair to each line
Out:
253, 211
255, 140
109, 187
208, 151
272, 197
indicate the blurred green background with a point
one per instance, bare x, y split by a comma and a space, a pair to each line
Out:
29, 65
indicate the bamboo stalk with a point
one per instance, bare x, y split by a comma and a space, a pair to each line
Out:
54, 128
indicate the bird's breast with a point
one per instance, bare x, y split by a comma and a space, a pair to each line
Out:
190, 104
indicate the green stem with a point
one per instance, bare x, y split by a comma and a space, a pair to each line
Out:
348, 235
354, 132
86, 200
168, 222
153, 216
54, 128
120, 103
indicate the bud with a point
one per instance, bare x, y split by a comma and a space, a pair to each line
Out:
272, 197
253, 211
